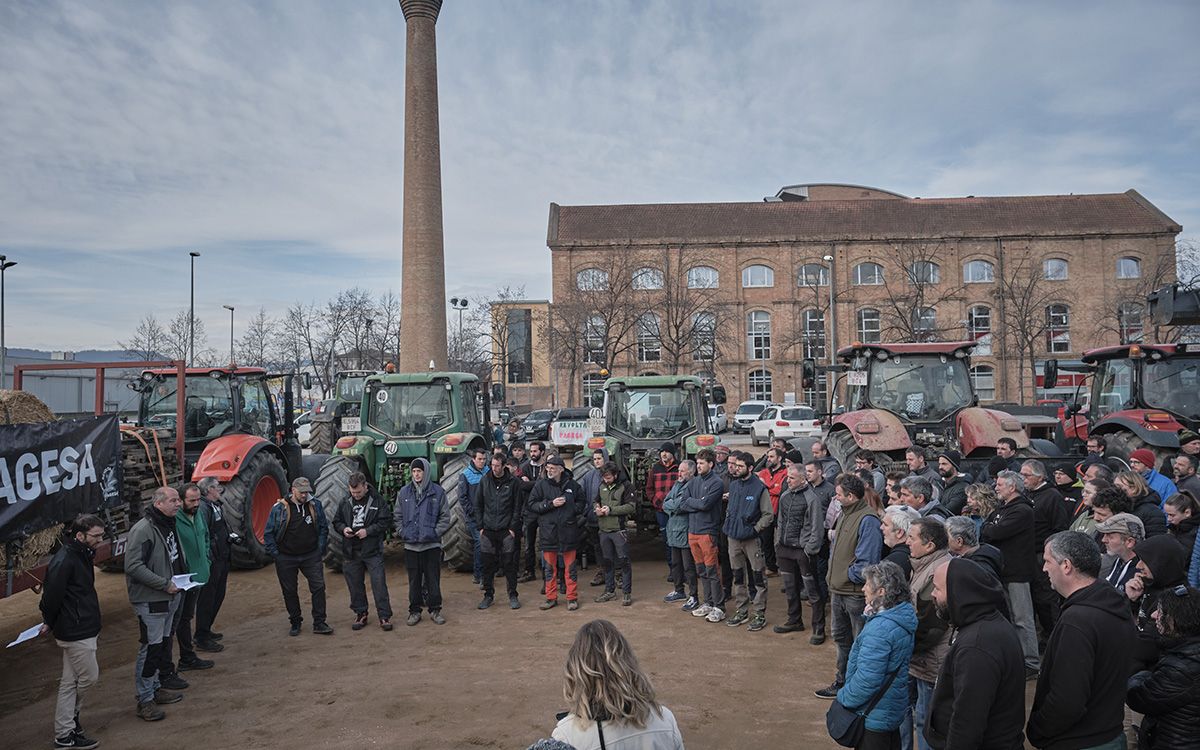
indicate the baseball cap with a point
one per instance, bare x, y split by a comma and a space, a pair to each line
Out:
1123, 523
555, 459
302, 484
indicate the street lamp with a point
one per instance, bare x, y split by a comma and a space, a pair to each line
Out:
831, 381
368, 343
192, 313
460, 304
230, 309
5, 264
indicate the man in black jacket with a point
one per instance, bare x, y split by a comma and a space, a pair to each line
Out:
979, 698
361, 522
560, 508
1009, 529
71, 610
1080, 697
220, 547
496, 503
954, 493
1051, 514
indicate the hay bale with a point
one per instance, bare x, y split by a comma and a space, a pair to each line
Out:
21, 407
32, 548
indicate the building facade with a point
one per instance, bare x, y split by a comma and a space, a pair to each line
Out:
521, 360
742, 293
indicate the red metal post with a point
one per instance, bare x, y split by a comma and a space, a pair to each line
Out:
99, 407
180, 406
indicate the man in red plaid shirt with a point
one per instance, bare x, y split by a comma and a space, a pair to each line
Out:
659, 481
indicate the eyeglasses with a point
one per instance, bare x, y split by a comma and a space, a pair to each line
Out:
96, 535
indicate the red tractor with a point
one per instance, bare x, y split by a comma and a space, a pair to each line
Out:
901, 395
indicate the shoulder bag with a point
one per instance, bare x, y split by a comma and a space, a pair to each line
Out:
846, 726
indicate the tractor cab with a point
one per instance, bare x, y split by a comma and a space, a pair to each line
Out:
218, 401
919, 383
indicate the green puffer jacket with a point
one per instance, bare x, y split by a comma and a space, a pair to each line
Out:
614, 496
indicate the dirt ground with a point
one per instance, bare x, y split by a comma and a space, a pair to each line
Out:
489, 679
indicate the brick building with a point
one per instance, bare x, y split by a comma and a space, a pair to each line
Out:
1027, 277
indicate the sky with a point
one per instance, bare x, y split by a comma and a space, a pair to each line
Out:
268, 136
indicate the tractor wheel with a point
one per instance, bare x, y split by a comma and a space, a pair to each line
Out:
321, 437
841, 446
458, 546
331, 488
247, 503
1121, 444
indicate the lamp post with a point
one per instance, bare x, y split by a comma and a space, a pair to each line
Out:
5, 264
830, 379
192, 313
368, 343
230, 309
460, 304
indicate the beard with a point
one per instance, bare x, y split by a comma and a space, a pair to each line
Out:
943, 611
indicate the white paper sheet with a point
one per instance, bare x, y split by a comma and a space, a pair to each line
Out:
26, 635
185, 582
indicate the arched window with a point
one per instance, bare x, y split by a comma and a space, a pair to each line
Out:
1129, 268
593, 341
924, 323
868, 325
924, 272
983, 378
812, 274
758, 335
979, 328
868, 274
1054, 269
704, 337
593, 389
591, 279
814, 334
1058, 329
759, 385
978, 272
649, 342
648, 278
702, 277
757, 276
1129, 321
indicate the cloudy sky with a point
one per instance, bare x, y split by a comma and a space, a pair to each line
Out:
268, 136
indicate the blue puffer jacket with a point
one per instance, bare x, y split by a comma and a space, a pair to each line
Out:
883, 647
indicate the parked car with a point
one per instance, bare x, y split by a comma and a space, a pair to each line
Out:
746, 414
537, 424
304, 428
785, 422
718, 418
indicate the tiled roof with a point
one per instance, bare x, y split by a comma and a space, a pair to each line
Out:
1041, 215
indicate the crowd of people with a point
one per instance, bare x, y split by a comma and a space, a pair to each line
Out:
942, 592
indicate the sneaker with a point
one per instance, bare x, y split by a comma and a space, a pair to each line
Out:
436, 616
548, 604
413, 618
690, 604
205, 644
701, 611
789, 627
675, 596
598, 579
149, 712
360, 622
295, 629
173, 682
322, 628
514, 602
386, 624
828, 693
757, 622
485, 602
166, 697
572, 605
738, 618
817, 639
627, 600
77, 740
607, 596
716, 615
189, 665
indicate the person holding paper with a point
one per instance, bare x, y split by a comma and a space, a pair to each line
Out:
152, 557
71, 609
192, 527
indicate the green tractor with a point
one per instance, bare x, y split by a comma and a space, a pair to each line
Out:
437, 416
338, 416
640, 414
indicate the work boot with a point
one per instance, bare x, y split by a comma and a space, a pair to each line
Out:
165, 697
211, 646
817, 638
322, 628
173, 682
789, 627
149, 712
190, 665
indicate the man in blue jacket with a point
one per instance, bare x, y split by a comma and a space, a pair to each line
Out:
296, 536
749, 514
422, 517
703, 506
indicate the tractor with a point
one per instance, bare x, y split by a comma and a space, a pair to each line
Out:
437, 416
902, 395
640, 414
339, 415
232, 432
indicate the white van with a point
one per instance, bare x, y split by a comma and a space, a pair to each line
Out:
747, 414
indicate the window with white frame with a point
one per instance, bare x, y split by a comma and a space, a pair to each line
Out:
924, 322
704, 337
924, 272
983, 379
648, 278
812, 274
978, 272
758, 276
1129, 321
869, 327
1058, 329
758, 385
1129, 268
593, 341
1054, 269
702, 277
591, 280
649, 341
593, 389
979, 328
814, 334
868, 274
758, 335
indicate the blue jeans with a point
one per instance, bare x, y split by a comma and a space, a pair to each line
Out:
921, 692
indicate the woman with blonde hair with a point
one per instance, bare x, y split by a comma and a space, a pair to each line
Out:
981, 501
611, 703
1147, 505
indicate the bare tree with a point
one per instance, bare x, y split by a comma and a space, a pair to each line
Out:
563, 331
491, 333
179, 337
686, 319
1023, 297
257, 346
385, 332
149, 340
914, 287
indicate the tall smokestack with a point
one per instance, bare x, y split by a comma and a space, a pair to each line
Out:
423, 288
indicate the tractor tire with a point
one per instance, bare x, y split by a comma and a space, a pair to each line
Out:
331, 488
841, 446
1040, 447
1121, 444
321, 437
458, 546
247, 502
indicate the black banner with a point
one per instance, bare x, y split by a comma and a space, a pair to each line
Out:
51, 472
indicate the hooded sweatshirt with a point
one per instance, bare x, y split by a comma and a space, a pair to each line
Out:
422, 514
979, 698
1168, 568
1080, 698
